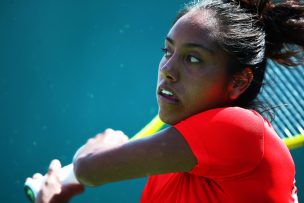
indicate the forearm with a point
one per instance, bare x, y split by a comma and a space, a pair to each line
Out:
162, 153
109, 166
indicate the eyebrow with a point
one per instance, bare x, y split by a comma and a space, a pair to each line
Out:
192, 45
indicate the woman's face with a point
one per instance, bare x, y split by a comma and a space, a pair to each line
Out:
192, 74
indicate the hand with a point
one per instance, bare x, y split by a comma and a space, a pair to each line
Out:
109, 139
52, 191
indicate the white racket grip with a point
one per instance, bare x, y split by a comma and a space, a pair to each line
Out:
66, 176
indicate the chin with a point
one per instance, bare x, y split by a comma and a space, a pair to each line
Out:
168, 119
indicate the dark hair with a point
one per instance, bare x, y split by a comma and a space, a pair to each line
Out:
253, 31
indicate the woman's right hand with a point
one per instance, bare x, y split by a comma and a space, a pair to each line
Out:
52, 191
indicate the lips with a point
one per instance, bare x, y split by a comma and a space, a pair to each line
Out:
167, 94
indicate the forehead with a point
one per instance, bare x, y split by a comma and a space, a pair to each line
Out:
197, 26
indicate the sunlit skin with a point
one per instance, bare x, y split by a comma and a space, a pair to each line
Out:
193, 77
193, 68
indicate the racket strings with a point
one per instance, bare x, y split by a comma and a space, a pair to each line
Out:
285, 89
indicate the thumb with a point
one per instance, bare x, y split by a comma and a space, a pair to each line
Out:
67, 192
72, 189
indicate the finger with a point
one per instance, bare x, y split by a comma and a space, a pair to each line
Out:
37, 176
53, 181
122, 136
92, 140
72, 189
67, 192
125, 138
108, 130
52, 184
105, 133
119, 132
55, 166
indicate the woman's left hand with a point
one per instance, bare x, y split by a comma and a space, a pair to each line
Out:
107, 140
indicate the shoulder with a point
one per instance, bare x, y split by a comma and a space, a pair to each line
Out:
228, 116
230, 124
224, 138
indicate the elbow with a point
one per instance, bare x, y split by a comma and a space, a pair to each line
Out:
83, 173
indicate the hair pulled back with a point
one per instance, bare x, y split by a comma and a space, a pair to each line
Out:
252, 31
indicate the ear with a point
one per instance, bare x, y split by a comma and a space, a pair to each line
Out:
240, 82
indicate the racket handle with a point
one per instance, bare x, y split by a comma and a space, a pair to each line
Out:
33, 186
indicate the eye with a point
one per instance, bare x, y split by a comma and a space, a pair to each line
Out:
167, 53
192, 59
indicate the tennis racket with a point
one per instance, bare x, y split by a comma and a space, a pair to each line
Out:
66, 175
284, 87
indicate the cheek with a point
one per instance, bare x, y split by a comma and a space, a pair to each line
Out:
217, 91
161, 64
211, 91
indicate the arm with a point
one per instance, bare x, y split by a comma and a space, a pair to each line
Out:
98, 163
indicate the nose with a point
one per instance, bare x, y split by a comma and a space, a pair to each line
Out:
169, 71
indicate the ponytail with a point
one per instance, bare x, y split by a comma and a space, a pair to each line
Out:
284, 27
283, 24
253, 31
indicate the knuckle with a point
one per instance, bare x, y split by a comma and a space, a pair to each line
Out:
119, 132
109, 130
91, 140
37, 175
99, 135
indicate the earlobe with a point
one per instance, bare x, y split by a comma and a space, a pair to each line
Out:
233, 95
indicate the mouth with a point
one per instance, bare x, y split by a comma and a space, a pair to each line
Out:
167, 95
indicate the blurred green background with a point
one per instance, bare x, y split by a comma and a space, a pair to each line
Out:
70, 69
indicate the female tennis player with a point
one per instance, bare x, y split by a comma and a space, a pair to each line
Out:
218, 148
